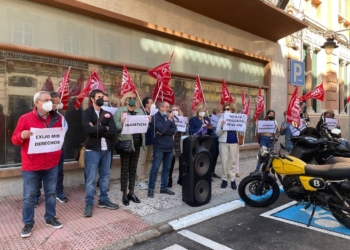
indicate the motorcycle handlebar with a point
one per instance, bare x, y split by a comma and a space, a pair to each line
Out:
289, 159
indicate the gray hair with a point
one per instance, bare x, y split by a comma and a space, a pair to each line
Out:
161, 104
38, 94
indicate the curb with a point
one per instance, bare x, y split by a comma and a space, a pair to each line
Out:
174, 225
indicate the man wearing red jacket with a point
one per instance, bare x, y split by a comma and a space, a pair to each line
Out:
35, 166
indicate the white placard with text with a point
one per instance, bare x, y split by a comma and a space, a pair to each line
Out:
267, 127
45, 140
214, 120
235, 122
331, 123
110, 109
181, 124
135, 124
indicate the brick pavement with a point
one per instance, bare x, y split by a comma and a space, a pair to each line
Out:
107, 227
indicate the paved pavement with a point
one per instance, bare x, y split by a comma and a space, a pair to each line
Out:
107, 229
245, 228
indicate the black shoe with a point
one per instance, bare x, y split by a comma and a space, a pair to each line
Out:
170, 182
215, 176
133, 198
224, 184
27, 230
150, 193
125, 201
53, 222
233, 185
88, 210
108, 204
167, 191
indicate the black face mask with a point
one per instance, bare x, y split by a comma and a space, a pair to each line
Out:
271, 118
99, 102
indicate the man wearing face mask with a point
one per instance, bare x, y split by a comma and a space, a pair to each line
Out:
164, 128
35, 166
100, 130
60, 195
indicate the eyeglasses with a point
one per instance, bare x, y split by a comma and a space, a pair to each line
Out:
227, 109
129, 98
175, 110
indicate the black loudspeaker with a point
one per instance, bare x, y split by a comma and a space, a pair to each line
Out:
282, 4
197, 170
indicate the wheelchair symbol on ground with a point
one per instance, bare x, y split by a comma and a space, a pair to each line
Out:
323, 221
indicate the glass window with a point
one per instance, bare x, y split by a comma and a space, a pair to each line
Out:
23, 33
25, 70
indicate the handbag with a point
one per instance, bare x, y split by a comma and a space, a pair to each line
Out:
240, 138
79, 157
124, 147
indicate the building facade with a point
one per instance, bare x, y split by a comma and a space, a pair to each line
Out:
248, 43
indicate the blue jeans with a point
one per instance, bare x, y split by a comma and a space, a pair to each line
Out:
30, 188
264, 141
158, 157
214, 149
97, 160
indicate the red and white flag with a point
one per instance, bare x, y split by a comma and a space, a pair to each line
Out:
94, 82
63, 90
259, 106
347, 100
317, 93
198, 96
127, 83
48, 86
76, 89
162, 91
225, 94
293, 111
246, 110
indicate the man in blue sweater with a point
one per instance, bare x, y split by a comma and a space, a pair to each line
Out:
164, 128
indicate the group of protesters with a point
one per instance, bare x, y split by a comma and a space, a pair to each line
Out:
160, 145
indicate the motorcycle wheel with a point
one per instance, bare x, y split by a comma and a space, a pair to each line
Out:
344, 219
248, 187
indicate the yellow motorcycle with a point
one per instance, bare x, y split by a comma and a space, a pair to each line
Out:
326, 186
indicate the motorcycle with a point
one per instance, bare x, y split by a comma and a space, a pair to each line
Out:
326, 186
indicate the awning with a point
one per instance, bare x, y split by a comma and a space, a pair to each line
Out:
254, 16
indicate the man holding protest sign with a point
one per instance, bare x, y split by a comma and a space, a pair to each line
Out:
100, 130
40, 156
164, 128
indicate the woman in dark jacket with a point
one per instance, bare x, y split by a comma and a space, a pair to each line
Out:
200, 121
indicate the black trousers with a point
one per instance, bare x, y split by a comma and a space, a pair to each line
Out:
128, 167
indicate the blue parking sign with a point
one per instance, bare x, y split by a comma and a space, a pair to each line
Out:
297, 73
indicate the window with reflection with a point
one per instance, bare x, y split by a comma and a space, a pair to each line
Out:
27, 74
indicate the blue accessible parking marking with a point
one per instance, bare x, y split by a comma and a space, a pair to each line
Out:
323, 221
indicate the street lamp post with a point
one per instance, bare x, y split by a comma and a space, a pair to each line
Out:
330, 44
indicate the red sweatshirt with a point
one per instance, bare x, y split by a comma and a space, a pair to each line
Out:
36, 162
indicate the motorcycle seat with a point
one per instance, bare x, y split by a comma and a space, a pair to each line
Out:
330, 171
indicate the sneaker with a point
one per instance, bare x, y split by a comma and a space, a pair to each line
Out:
142, 186
62, 198
108, 204
224, 184
53, 222
88, 210
36, 201
233, 185
27, 230
167, 191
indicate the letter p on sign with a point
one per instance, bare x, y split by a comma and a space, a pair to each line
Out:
297, 73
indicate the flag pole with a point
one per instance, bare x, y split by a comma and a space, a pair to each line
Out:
160, 87
137, 93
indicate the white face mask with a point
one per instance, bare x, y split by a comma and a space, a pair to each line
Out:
201, 114
59, 106
47, 106
227, 111
176, 113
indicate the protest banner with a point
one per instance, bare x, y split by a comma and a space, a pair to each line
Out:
110, 109
46, 140
214, 120
267, 127
331, 123
236, 122
181, 123
135, 124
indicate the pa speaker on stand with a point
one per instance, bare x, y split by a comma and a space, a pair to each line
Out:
197, 170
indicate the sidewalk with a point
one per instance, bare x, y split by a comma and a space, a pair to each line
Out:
106, 229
